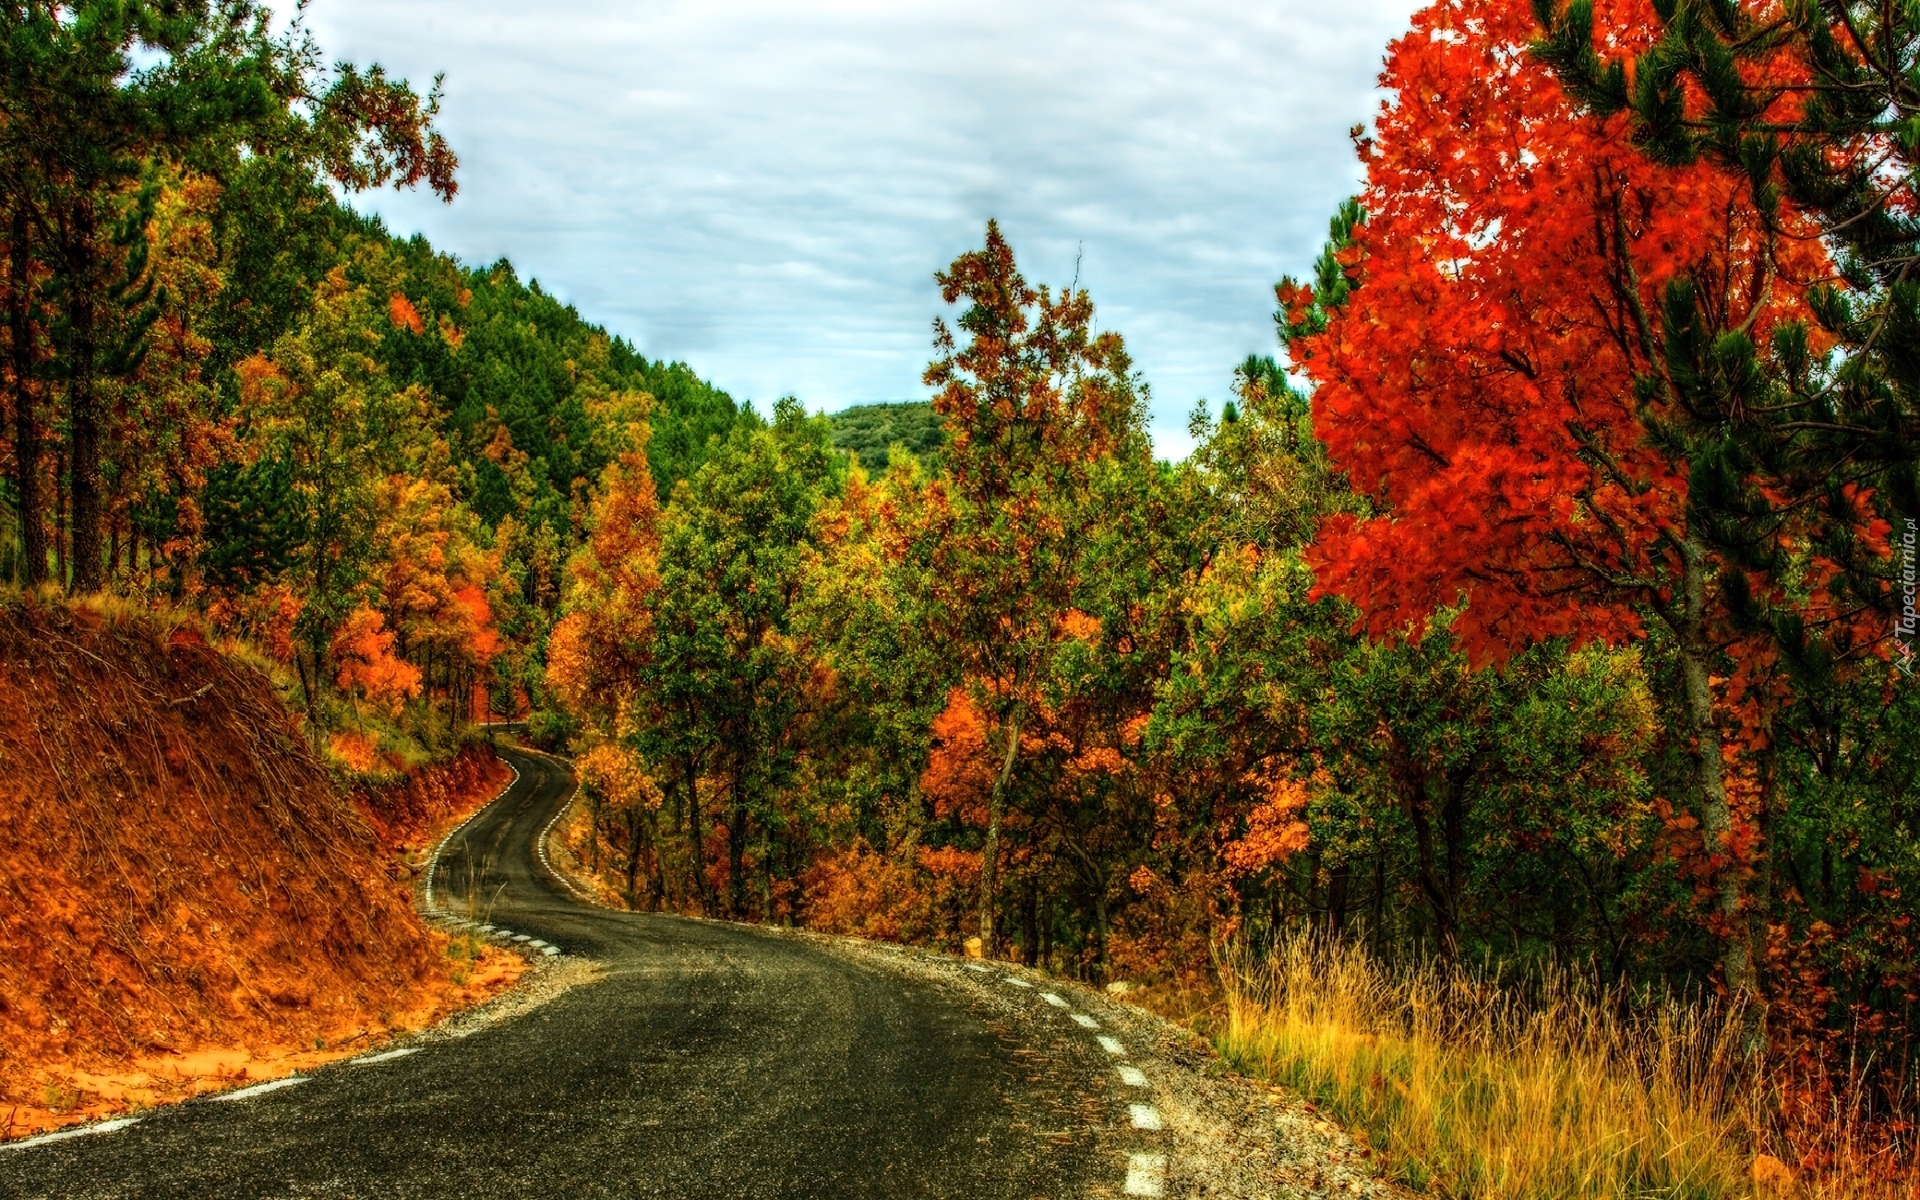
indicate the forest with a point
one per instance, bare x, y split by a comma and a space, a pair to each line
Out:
1529, 636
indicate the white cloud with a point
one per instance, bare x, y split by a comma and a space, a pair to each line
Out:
765, 189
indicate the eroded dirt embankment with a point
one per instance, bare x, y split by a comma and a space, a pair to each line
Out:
186, 899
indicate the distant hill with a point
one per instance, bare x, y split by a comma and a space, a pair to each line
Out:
868, 430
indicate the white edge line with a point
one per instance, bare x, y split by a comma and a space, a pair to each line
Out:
261, 1089
61, 1135
433, 860
541, 847
388, 1056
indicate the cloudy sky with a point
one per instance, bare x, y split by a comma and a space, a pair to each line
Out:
764, 190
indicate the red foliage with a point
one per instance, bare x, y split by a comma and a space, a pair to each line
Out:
1479, 382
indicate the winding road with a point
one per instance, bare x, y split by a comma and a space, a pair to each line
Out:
709, 1060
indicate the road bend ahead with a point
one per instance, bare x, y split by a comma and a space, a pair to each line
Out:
710, 1061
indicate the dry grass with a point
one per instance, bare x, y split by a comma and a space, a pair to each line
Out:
1472, 1089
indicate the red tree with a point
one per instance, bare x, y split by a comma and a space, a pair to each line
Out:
1497, 381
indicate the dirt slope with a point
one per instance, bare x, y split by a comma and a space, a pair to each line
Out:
183, 891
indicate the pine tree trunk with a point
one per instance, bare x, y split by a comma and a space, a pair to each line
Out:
83, 402
26, 429
1716, 814
990, 853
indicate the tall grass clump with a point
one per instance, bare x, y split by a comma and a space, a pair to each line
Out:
1471, 1086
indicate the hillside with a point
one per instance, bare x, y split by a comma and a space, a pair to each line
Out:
185, 895
871, 430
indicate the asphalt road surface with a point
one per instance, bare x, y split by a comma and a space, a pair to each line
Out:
710, 1061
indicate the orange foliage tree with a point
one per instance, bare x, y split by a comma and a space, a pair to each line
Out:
1033, 401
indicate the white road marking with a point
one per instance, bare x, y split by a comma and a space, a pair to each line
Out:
521, 937
433, 860
1085, 1021
389, 1056
1019, 983
1111, 1045
61, 1135
536, 943
566, 881
550, 951
1145, 1116
1133, 1077
1146, 1174
1052, 999
979, 968
261, 1089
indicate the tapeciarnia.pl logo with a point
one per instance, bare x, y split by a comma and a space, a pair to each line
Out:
1904, 626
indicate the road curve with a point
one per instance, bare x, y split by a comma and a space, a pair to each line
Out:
711, 1061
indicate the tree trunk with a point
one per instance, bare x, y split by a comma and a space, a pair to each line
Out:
766, 879
1338, 881
83, 402
1030, 928
26, 428
1716, 815
737, 853
60, 515
669, 882
306, 688
1101, 931
1439, 899
990, 853
695, 839
633, 852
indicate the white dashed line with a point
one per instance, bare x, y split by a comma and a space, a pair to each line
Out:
63, 1134
389, 1056
550, 951
521, 937
261, 1089
536, 943
1146, 1174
